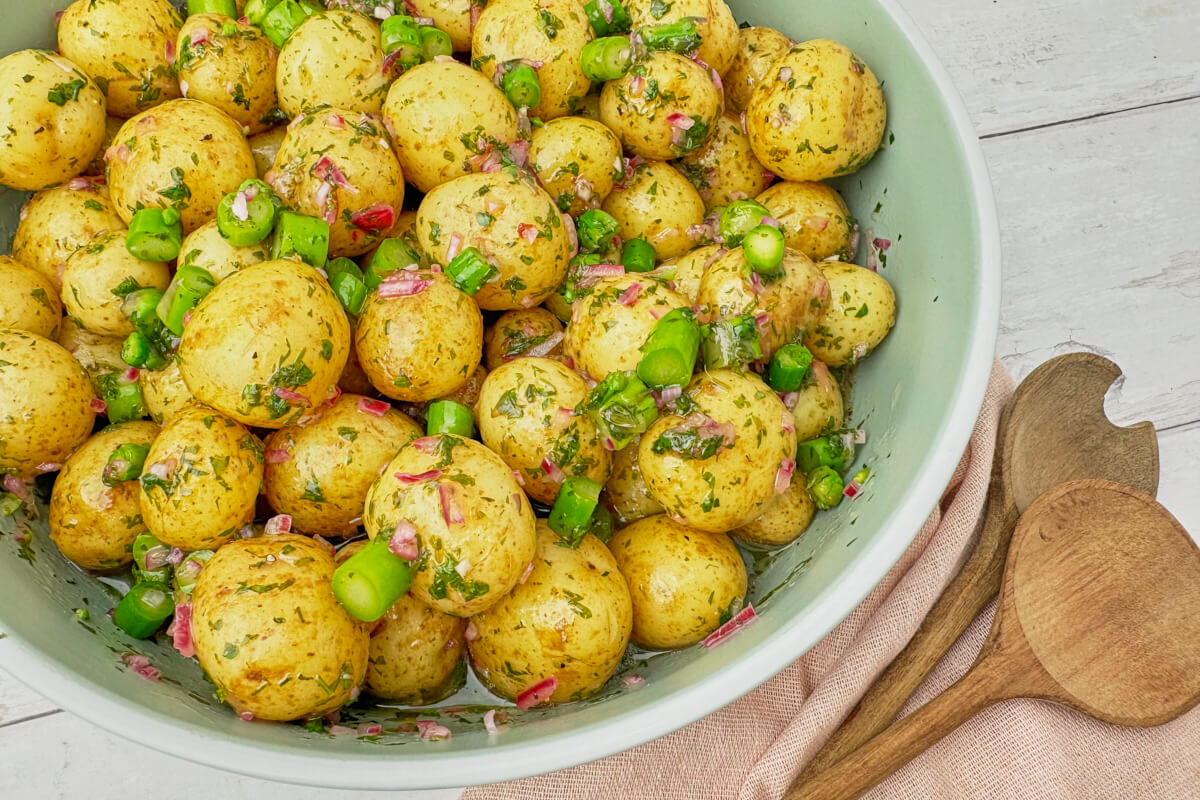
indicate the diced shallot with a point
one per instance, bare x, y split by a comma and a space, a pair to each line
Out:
788, 422
452, 512
375, 217
455, 246
403, 541
291, 396
527, 232
140, 665
18, 487
429, 730
489, 722
97, 405
816, 223
421, 477
181, 635
471, 633
552, 470
525, 572
630, 295
739, 621
199, 36
537, 694
398, 286
852, 489
633, 681
376, 408
239, 207
79, 182
280, 523
783, 476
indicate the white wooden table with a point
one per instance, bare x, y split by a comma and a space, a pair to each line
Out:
1090, 115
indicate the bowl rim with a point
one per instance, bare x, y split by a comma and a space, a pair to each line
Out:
718, 689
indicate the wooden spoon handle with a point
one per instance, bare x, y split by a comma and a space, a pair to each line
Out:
870, 764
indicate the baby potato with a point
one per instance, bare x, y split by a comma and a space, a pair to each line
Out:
205, 247
664, 107
813, 217
819, 406
757, 49
164, 391
201, 479
724, 169
714, 22
93, 275
264, 147
441, 115
861, 312
420, 346
96, 353
658, 204
230, 65
793, 302
687, 269
267, 344
783, 519
625, 493
799, 145
337, 164
716, 468
92, 523
683, 582
269, 632
184, 154
319, 473
451, 16
526, 332
30, 300
54, 117
127, 46
333, 58
577, 160
475, 530
539, 31
46, 402
526, 416
513, 223
568, 620
605, 335
54, 223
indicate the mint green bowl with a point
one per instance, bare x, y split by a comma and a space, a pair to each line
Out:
917, 397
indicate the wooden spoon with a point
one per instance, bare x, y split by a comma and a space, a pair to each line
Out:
1053, 430
1099, 611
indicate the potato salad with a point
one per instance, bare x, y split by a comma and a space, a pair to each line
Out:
370, 345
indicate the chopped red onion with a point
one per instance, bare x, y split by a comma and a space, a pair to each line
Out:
396, 286
656, 311
18, 487
48, 466
342, 730
376, 408
325, 170
518, 477
743, 120
520, 151
756, 283
375, 217
452, 512
671, 393
97, 405
852, 489
698, 231
410, 478
160, 470
403, 541
280, 523
291, 396
474, 16
595, 272
630, 295
527, 232
537, 694
321, 540
572, 234
463, 567
130, 375
426, 444
785, 74
140, 665
78, 183
335, 121
455, 246
637, 85
882, 244
181, 636
430, 730
774, 223
239, 206
763, 323
525, 573
199, 36
370, 728
783, 476
633, 681
552, 470
277, 455
610, 443
471, 633
739, 621
489, 722
788, 422
175, 556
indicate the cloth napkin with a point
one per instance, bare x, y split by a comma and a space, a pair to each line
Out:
1018, 749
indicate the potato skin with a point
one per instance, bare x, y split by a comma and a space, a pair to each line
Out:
521, 418
417, 654
661, 215
844, 132
451, 16
861, 313
332, 462
94, 525
724, 169
269, 632
431, 109
516, 332
97, 354
205, 247
186, 148
233, 71
570, 619
213, 468
264, 146
687, 270
332, 58
784, 518
757, 49
818, 405
492, 546
730, 488
270, 326
164, 391
574, 157
30, 300
47, 142
45, 404
605, 335
625, 493
717, 27
54, 223
94, 271
681, 580
423, 346
813, 217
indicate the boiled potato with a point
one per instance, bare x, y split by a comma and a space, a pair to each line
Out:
94, 275
433, 109
164, 391
658, 204
94, 524
664, 107
230, 65
53, 117
606, 335
475, 529
861, 312
784, 308
714, 22
127, 46
577, 160
684, 583
46, 404
96, 353
783, 519
686, 270
264, 147
724, 169
183, 154
540, 31
455, 17
715, 467
569, 620
526, 332
526, 415
818, 406
423, 345
319, 473
512, 222
800, 145
30, 300
267, 344
201, 479
813, 217
269, 632
625, 493
111, 126
205, 247
757, 49
333, 58
54, 223
337, 164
